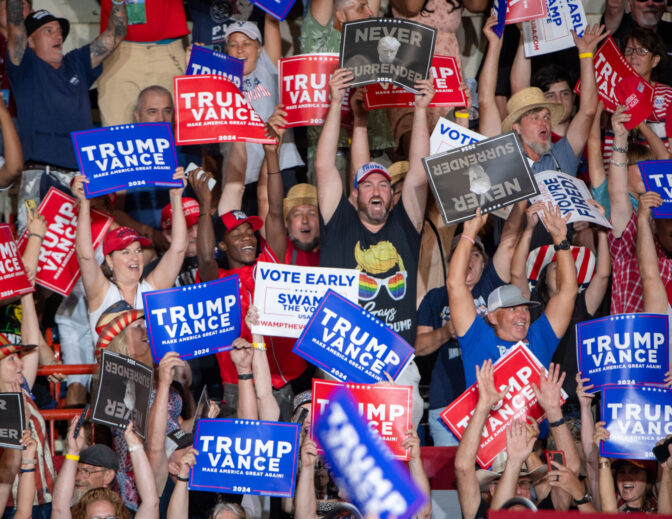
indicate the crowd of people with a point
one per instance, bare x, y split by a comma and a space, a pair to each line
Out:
349, 194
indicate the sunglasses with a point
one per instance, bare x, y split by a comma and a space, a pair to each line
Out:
370, 286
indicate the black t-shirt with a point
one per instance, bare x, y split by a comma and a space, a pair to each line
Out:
187, 275
387, 259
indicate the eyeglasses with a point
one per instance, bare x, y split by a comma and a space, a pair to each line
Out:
640, 51
88, 472
653, 1
370, 286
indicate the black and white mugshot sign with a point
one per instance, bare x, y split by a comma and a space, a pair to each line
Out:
123, 392
387, 50
489, 174
12, 420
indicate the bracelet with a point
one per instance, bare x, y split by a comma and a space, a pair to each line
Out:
461, 115
558, 423
605, 464
73, 457
585, 55
246, 376
118, 2
468, 238
135, 448
28, 462
261, 346
180, 478
203, 214
35, 234
619, 149
24, 471
618, 164
274, 173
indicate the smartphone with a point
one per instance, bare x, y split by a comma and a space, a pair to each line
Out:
557, 456
662, 452
79, 423
30, 204
191, 167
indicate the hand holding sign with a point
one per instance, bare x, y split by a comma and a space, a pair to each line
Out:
30, 449
618, 121
278, 121
668, 378
647, 201
585, 398
74, 445
186, 463
133, 440
308, 449
425, 88
600, 433
167, 366
339, 83
241, 356
77, 188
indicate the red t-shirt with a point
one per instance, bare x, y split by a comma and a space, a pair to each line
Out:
284, 364
303, 258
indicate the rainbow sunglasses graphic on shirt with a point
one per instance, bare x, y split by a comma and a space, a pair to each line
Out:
370, 286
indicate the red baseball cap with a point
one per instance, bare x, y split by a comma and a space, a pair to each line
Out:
122, 237
233, 219
191, 212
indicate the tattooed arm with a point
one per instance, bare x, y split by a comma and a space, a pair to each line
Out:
108, 40
16, 31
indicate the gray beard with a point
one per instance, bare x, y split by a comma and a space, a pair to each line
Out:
537, 147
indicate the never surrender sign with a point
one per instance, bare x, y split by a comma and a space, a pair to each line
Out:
387, 50
447, 79
636, 418
193, 320
123, 394
657, 176
304, 89
623, 349
13, 420
128, 157
552, 33
287, 295
518, 370
245, 457
387, 410
569, 194
376, 482
490, 174
13, 279
57, 267
204, 61
212, 109
351, 344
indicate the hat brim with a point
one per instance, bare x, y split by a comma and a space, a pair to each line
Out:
255, 222
557, 113
486, 477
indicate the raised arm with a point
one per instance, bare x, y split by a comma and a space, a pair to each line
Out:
359, 147
507, 243
65, 482
579, 128
329, 183
462, 309
597, 288
13, 165
205, 239
417, 471
595, 162
619, 197
414, 191
94, 281
276, 232
561, 305
468, 489
305, 503
519, 260
241, 355
144, 479
655, 295
158, 420
665, 491
165, 273
26, 491
37, 228
266, 402
17, 37
587, 429
234, 184
30, 334
490, 122
655, 143
272, 39
322, 11
178, 508
521, 70
608, 500
110, 38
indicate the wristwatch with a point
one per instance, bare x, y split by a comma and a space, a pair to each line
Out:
587, 498
563, 245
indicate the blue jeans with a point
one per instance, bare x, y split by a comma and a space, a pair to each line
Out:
39, 512
442, 436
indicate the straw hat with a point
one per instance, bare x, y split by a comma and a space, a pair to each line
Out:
485, 477
528, 99
299, 194
398, 171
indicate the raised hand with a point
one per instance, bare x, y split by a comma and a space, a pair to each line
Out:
518, 443
425, 88
241, 355
339, 84
549, 391
167, 366
555, 223
592, 36
584, 397
487, 393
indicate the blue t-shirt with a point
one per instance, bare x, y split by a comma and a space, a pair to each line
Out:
51, 103
480, 343
447, 382
561, 157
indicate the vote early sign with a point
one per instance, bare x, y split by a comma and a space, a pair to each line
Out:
13, 279
636, 418
623, 349
193, 320
57, 267
127, 157
287, 295
351, 344
518, 370
245, 457
362, 464
387, 409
